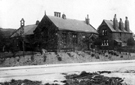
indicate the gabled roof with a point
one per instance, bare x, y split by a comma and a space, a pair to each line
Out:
28, 30
110, 25
72, 24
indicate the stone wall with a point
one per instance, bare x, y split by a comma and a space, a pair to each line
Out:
69, 40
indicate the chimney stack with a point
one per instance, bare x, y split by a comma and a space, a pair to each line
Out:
37, 22
87, 20
115, 23
121, 26
57, 14
127, 24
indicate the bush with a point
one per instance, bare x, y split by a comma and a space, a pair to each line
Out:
92, 55
69, 54
59, 58
32, 58
45, 58
97, 57
84, 73
106, 55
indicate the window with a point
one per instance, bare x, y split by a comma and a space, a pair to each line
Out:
105, 43
104, 32
120, 36
74, 35
64, 37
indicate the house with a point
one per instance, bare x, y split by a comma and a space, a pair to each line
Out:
56, 33
24, 33
113, 33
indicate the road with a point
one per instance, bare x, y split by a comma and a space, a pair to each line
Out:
47, 72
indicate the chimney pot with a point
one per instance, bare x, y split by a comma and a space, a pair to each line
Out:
37, 22
127, 24
120, 19
115, 15
121, 27
63, 16
115, 23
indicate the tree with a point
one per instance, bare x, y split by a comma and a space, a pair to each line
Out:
131, 42
98, 42
13, 46
2, 40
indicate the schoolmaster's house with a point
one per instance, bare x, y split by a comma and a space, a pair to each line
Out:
113, 33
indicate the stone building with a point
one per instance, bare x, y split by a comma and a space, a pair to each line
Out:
113, 33
24, 33
55, 33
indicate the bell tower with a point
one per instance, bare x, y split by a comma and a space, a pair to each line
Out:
22, 22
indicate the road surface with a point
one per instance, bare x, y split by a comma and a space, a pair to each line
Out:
53, 72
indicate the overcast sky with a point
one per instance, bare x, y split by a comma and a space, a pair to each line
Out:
11, 11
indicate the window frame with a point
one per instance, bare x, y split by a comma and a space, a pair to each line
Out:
74, 38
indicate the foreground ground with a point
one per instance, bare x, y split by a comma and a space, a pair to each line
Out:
84, 78
124, 70
64, 57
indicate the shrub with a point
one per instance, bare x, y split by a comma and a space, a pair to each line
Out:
92, 55
69, 54
106, 55
84, 73
45, 58
59, 58
32, 58
131, 42
97, 57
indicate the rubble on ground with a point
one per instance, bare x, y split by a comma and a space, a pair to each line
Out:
84, 78
92, 79
24, 82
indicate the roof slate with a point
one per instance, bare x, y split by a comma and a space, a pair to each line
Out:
28, 30
72, 24
110, 25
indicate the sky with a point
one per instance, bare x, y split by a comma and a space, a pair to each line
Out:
12, 11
